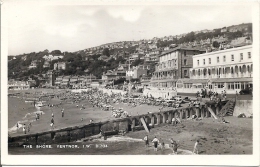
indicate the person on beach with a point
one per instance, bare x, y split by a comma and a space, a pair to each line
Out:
28, 128
155, 143
52, 123
146, 141
175, 147
196, 150
52, 115
17, 126
162, 143
172, 142
24, 128
62, 113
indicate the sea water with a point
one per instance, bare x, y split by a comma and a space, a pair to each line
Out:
20, 112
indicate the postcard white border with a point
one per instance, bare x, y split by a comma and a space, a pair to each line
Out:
241, 160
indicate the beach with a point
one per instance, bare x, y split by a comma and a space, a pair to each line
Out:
234, 137
72, 114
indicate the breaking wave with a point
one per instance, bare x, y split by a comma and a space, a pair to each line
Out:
29, 117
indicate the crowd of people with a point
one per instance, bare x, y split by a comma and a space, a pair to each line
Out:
212, 95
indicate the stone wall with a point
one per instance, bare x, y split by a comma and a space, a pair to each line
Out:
243, 106
163, 93
110, 91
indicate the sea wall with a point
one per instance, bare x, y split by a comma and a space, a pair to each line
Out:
243, 106
134, 123
162, 92
110, 91
79, 90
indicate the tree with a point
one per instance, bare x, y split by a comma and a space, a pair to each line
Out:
56, 52
137, 62
215, 44
106, 52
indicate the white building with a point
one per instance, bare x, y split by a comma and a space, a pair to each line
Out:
136, 72
18, 85
59, 66
231, 63
33, 64
230, 69
51, 57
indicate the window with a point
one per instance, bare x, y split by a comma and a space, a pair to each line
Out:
242, 84
237, 86
209, 60
185, 61
219, 85
185, 73
198, 62
217, 59
224, 58
241, 56
203, 61
228, 85
232, 85
232, 57
249, 55
184, 52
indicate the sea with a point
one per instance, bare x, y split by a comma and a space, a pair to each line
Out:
20, 112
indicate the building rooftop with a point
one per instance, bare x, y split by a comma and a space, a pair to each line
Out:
182, 48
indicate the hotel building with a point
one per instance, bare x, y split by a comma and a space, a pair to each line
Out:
173, 64
230, 70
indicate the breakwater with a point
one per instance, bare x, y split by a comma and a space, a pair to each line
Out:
133, 123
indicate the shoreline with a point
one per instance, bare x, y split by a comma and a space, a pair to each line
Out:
215, 136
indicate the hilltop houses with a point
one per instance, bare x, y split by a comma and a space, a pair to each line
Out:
51, 57
46, 64
59, 66
33, 64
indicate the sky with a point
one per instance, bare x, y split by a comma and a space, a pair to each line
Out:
34, 27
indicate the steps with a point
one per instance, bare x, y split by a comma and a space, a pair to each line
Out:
228, 109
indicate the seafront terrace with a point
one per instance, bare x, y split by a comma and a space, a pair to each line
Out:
233, 71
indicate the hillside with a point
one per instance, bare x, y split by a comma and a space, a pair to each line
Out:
97, 60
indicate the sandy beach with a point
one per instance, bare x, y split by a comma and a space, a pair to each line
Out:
72, 114
215, 137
